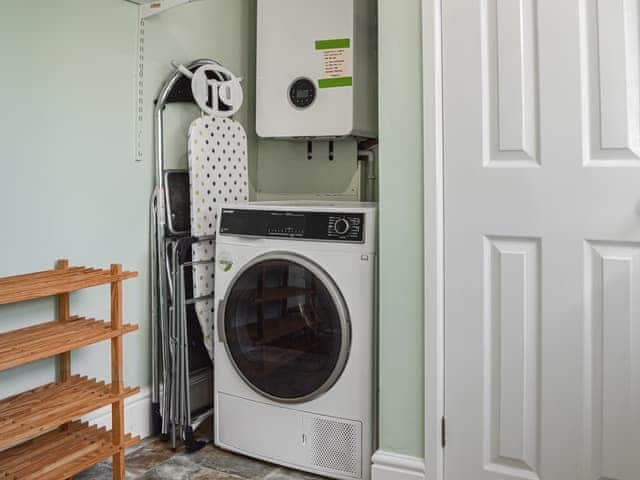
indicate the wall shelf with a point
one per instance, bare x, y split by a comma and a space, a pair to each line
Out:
38, 438
149, 8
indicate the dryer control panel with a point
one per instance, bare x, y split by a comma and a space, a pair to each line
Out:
329, 226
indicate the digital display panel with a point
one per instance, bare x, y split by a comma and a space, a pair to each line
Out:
302, 93
285, 224
292, 224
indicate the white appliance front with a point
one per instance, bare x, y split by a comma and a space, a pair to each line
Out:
542, 258
316, 69
305, 416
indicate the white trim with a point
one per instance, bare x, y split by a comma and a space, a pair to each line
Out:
434, 237
393, 466
137, 414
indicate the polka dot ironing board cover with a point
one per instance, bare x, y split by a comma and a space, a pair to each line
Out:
218, 173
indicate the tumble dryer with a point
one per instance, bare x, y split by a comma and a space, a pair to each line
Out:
295, 343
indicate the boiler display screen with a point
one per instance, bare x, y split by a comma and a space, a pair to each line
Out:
302, 93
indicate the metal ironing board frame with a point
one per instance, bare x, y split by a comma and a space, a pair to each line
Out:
182, 418
167, 279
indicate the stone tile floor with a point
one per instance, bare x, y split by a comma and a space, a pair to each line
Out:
154, 460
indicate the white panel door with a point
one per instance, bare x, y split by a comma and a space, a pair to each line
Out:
542, 239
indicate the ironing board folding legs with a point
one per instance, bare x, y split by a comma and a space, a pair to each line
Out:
183, 416
171, 408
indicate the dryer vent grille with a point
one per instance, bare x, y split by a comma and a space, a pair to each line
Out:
335, 445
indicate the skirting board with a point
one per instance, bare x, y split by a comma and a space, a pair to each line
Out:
393, 466
137, 414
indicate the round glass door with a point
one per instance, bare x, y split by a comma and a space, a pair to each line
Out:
286, 328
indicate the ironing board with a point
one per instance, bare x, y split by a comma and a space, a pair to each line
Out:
218, 173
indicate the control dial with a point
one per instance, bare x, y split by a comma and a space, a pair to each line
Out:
342, 226
302, 93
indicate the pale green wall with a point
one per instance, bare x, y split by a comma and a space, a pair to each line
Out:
69, 185
401, 228
283, 167
223, 30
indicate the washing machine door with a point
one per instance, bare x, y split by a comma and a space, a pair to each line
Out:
286, 327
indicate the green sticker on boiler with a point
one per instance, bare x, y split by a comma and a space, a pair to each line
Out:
335, 82
332, 44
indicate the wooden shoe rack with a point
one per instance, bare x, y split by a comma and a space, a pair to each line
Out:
40, 435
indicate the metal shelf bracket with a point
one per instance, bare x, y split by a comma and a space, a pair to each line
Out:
149, 8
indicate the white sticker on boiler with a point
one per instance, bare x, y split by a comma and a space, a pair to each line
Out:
336, 62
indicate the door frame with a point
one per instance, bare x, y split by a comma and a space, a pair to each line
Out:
434, 273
